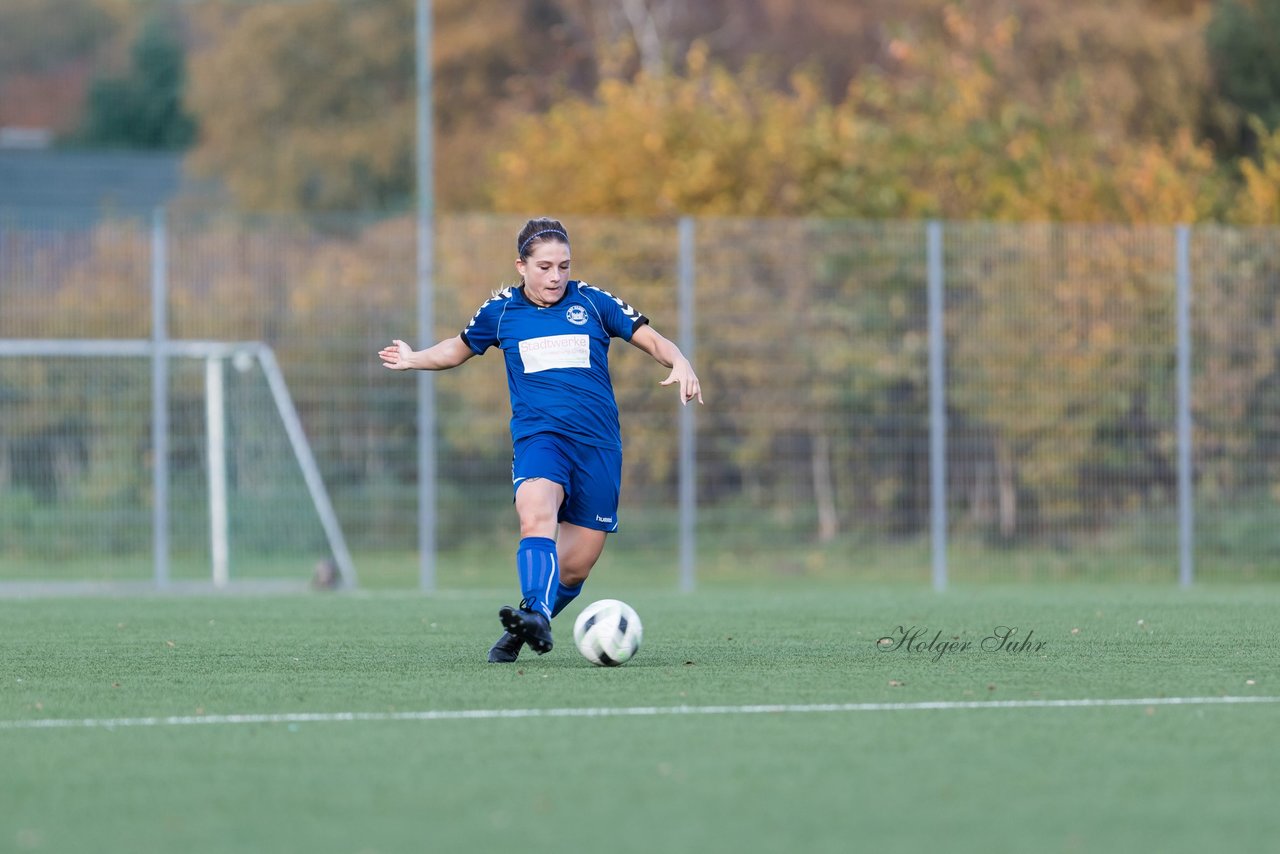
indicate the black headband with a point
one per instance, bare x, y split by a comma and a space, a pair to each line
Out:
538, 234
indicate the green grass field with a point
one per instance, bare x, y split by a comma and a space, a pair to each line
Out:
663, 754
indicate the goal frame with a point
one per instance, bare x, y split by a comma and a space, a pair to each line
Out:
215, 355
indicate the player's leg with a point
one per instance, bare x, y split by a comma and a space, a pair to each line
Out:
539, 470
538, 505
537, 564
589, 515
579, 548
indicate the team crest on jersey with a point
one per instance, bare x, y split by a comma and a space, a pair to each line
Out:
577, 315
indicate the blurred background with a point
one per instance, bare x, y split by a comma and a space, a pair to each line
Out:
254, 161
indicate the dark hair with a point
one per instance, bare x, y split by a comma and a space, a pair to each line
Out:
539, 231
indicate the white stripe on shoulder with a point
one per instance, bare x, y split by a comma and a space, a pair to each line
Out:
626, 309
498, 296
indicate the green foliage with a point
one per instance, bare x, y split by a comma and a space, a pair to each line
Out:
1242, 38
142, 109
1258, 200
306, 106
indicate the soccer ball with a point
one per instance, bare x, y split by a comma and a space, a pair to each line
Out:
608, 632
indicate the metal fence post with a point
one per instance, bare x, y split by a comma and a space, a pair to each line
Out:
1186, 509
937, 406
160, 398
426, 301
688, 435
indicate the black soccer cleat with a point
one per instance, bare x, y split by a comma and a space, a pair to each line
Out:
529, 626
506, 650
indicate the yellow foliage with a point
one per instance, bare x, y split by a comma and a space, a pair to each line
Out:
304, 106
1258, 202
948, 135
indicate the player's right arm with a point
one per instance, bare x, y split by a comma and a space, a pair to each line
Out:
449, 353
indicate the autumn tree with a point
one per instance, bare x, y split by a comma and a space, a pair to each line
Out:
1241, 38
1258, 201
306, 106
312, 106
142, 108
942, 137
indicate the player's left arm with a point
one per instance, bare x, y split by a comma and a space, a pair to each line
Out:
667, 354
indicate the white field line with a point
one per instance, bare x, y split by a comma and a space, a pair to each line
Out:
614, 712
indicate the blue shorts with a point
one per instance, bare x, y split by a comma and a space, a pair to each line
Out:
591, 477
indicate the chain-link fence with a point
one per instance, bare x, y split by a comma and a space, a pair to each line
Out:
812, 453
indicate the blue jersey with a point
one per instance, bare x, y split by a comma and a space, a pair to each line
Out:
558, 359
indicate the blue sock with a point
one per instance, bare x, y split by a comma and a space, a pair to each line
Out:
565, 595
539, 571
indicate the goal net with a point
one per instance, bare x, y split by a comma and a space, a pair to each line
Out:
241, 498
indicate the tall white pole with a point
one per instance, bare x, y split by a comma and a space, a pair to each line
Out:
159, 398
426, 299
215, 413
1186, 506
937, 405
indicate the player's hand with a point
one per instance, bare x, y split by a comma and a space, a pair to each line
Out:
396, 356
683, 375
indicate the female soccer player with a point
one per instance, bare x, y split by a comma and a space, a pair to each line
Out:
566, 468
